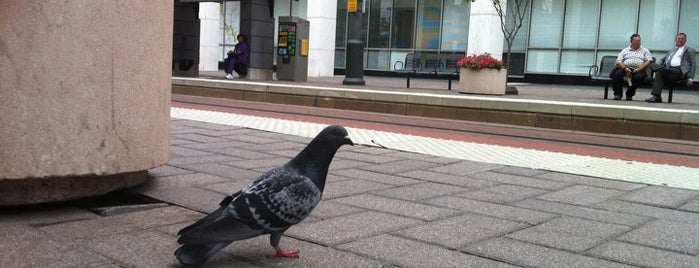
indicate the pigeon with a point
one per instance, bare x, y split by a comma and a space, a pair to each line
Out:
272, 203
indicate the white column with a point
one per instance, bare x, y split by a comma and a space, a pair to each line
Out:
484, 33
210, 36
322, 15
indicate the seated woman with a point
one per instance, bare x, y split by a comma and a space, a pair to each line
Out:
237, 59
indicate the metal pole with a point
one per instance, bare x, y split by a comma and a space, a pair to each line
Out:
354, 55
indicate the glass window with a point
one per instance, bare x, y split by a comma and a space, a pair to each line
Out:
580, 24
377, 60
403, 24
618, 23
542, 61
428, 17
341, 23
339, 58
688, 24
455, 25
576, 62
657, 23
547, 16
379, 23
520, 42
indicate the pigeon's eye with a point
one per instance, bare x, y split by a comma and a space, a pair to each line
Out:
335, 132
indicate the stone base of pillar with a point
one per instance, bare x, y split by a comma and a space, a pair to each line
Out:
43, 190
259, 74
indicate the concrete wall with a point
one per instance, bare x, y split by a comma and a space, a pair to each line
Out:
85, 96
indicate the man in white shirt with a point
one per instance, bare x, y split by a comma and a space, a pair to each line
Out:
630, 64
680, 63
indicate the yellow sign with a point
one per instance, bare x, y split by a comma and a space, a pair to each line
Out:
304, 47
352, 6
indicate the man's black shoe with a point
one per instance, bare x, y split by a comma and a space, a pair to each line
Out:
654, 99
617, 97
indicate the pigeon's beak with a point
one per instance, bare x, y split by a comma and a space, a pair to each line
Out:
348, 141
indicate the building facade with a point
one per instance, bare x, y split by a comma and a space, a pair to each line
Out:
558, 37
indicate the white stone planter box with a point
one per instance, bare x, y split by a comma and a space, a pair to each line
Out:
483, 81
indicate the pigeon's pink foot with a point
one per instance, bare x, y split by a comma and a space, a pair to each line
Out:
285, 254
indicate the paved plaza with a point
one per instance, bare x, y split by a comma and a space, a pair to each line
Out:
382, 207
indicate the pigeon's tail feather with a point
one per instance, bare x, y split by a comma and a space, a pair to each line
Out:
194, 255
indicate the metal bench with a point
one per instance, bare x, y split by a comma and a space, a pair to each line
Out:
600, 74
429, 66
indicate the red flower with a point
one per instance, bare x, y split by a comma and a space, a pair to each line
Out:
477, 62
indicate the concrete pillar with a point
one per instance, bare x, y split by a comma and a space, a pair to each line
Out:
484, 33
85, 96
321, 57
257, 23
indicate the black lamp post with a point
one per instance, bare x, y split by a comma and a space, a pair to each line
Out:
354, 55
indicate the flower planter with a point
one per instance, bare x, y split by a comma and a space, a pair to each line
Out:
483, 81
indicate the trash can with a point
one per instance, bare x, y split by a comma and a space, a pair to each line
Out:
292, 49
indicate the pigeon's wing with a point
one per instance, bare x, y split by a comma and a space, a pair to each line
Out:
281, 198
223, 225
213, 216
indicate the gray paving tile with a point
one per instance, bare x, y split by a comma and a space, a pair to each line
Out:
421, 191
465, 167
504, 193
197, 137
393, 249
460, 231
583, 212
675, 236
176, 151
256, 139
178, 181
198, 199
530, 255
661, 196
424, 157
400, 207
121, 223
339, 163
464, 181
212, 146
371, 150
649, 211
643, 256
520, 180
399, 166
344, 229
374, 176
330, 209
520, 171
186, 160
603, 183
370, 158
351, 187
256, 251
265, 164
228, 187
691, 206
167, 170
145, 248
581, 195
570, 234
242, 153
491, 209
273, 147
44, 217
224, 171
24, 246
181, 142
